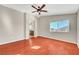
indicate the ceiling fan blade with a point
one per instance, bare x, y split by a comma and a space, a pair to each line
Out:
42, 6
43, 10
34, 7
34, 11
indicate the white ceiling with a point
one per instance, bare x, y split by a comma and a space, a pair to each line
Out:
53, 9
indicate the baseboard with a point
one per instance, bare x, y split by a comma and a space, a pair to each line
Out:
13, 41
10, 41
57, 39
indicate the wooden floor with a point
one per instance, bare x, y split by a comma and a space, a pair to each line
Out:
47, 47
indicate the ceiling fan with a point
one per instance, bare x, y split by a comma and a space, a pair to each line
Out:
39, 9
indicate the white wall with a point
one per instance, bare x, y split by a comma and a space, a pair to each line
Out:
11, 25
78, 28
36, 27
44, 29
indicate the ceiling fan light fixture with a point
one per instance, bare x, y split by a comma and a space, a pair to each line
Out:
39, 9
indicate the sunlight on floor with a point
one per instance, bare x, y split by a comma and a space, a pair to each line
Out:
35, 47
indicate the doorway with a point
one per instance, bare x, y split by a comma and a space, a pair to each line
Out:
32, 29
